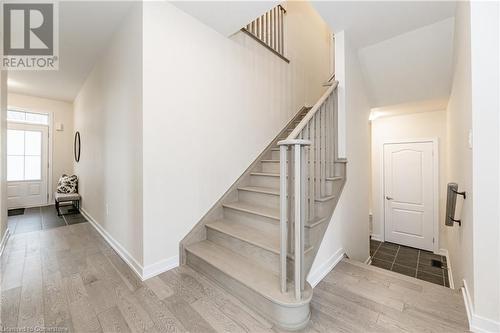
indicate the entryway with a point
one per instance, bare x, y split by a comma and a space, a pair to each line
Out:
42, 218
27, 159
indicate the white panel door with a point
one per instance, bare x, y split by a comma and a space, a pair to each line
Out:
409, 195
27, 165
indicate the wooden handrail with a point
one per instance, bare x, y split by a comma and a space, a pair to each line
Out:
295, 133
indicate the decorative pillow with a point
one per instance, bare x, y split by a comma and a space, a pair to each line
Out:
67, 184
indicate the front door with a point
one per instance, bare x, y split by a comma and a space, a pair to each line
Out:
409, 194
27, 165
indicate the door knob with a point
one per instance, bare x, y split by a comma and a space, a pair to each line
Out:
388, 198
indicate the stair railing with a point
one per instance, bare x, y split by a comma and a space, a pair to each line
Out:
312, 150
269, 29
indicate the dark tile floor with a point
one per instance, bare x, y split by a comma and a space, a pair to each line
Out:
40, 218
409, 261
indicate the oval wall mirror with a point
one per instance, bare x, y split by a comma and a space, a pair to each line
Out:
77, 146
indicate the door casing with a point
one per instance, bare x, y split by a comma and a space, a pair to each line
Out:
435, 185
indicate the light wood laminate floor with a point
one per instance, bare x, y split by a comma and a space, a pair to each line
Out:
69, 278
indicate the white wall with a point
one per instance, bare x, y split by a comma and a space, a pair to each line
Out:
423, 125
211, 105
107, 113
348, 228
62, 141
459, 122
3, 153
485, 38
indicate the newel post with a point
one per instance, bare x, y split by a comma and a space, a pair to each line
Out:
299, 202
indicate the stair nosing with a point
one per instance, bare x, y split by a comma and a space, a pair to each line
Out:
260, 189
325, 199
230, 205
264, 174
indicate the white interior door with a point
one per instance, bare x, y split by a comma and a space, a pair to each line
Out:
27, 165
409, 194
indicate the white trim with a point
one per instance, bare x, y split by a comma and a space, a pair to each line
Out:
435, 190
122, 252
444, 252
142, 272
377, 237
159, 267
477, 323
4, 241
315, 277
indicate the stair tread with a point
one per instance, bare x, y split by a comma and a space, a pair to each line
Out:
325, 198
247, 272
254, 236
273, 213
266, 240
334, 178
260, 189
315, 222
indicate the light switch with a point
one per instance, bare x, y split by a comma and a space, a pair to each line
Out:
59, 127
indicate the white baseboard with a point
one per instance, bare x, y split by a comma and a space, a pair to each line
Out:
315, 277
143, 273
159, 267
122, 252
445, 253
377, 237
3, 243
477, 323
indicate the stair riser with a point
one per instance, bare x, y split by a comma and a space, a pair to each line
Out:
275, 155
261, 199
322, 208
272, 167
265, 181
252, 220
292, 318
266, 258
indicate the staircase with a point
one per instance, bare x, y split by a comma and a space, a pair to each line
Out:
260, 239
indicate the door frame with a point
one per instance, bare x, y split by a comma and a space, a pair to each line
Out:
50, 143
435, 184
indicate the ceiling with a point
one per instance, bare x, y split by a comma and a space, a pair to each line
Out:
226, 17
85, 28
370, 22
414, 66
405, 48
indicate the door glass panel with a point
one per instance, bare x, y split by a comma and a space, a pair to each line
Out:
24, 155
16, 115
28, 117
32, 167
15, 142
37, 118
15, 168
33, 143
